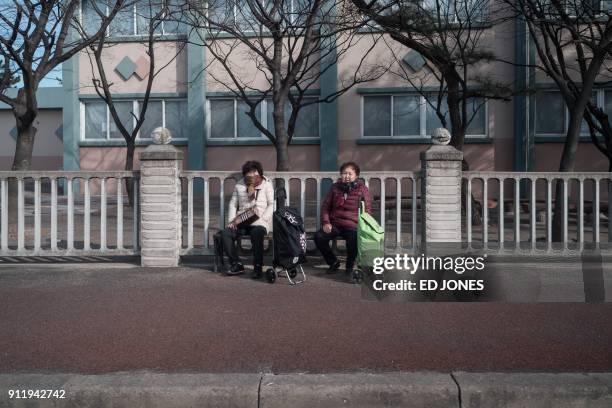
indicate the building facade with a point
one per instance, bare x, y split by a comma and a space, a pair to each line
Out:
383, 125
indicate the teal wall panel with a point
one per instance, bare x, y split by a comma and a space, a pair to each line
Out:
329, 112
71, 117
524, 101
196, 101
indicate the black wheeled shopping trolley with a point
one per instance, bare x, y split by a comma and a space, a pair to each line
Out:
288, 242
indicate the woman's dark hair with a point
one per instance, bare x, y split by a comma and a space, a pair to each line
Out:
250, 166
350, 164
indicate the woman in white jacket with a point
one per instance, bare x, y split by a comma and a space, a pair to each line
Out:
253, 191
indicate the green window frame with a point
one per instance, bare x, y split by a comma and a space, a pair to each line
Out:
410, 116
132, 21
225, 121
97, 122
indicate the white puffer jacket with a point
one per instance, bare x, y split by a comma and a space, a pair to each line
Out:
264, 201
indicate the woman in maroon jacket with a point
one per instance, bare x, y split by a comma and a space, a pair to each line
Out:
339, 213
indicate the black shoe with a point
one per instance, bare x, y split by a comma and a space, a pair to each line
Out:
333, 268
236, 269
257, 272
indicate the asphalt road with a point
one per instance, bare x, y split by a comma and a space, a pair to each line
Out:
107, 318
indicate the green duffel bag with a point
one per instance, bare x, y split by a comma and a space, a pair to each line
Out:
370, 238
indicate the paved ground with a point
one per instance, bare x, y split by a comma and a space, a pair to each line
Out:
101, 318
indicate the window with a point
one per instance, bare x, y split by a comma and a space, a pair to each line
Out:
409, 115
307, 124
607, 105
586, 9
552, 115
406, 116
580, 9
123, 23
238, 13
98, 123
176, 118
228, 119
378, 110
145, 11
134, 18
124, 111
90, 18
456, 11
154, 117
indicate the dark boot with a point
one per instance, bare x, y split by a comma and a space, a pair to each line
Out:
257, 272
333, 268
236, 269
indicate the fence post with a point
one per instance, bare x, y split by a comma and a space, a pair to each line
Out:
160, 205
441, 196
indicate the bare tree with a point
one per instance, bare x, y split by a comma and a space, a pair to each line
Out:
291, 44
573, 42
448, 35
8, 78
35, 37
154, 13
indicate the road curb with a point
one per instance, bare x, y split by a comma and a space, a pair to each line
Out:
425, 389
535, 390
410, 389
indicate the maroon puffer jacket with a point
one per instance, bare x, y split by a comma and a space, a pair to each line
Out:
340, 209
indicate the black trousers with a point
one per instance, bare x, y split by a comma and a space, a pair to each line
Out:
322, 240
257, 233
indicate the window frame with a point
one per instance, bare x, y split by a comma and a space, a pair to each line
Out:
600, 99
262, 28
423, 105
601, 12
135, 108
135, 33
263, 119
456, 19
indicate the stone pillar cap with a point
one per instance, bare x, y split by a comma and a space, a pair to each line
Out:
442, 153
161, 152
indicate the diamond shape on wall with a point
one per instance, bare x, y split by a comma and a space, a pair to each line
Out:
13, 133
59, 132
414, 60
126, 68
142, 67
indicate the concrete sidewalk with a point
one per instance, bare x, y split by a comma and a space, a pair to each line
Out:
412, 389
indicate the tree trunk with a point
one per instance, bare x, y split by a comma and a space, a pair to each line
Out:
458, 128
282, 139
26, 133
282, 162
22, 160
568, 161
129, 166
282, 157
454, 111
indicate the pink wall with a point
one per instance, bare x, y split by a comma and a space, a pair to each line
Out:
302, 157
389, 157
111, 158
548, 157
38, 162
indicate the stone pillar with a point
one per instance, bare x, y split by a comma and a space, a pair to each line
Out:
160, 205
441, 196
